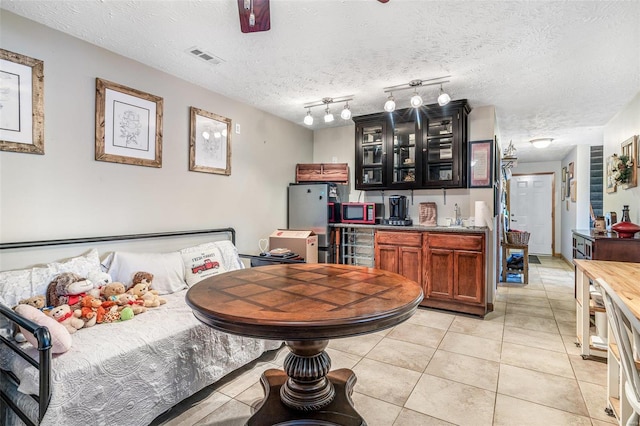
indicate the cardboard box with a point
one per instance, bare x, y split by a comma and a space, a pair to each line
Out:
304, 243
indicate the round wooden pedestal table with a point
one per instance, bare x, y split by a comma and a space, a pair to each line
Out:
305, 305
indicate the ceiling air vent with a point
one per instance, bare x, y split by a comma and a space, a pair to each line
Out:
205, 56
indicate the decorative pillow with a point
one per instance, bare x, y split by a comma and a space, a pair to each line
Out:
167, 269
201, 261
60, 337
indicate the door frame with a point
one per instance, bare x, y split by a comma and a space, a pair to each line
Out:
553, 204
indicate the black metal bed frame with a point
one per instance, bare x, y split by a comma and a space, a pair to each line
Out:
42, 333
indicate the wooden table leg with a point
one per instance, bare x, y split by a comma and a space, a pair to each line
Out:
306, 393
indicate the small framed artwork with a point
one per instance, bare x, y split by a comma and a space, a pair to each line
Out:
573, 191
563, 191
210, 143
629, 149
481, 164
610, 181
21, 103
564, 174
570, 171
128, 125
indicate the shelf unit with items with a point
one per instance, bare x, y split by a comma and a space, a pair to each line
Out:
357, 246
586, 308
405, 144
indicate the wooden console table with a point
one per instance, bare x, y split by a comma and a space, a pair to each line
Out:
305, 305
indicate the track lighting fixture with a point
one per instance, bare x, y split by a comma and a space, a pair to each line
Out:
444, 98
328, 116
541, 142
416, 100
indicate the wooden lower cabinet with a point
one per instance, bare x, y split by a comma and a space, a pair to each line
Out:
400, 252
450, 267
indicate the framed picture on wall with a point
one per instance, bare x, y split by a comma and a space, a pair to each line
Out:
573, 190
563, 191
128, 125
564, 174
481, 164
21, 103
570, 171
629, 150
210, 143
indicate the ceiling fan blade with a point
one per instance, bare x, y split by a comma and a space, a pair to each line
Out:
261, 13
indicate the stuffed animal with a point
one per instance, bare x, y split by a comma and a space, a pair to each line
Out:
112, 315
151, 300
144, 278
110, 294
65, 316
67, 288
37, 302
99, 280
128, 299
91, 312
126, 314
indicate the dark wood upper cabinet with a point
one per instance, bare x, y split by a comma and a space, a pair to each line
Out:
413, 148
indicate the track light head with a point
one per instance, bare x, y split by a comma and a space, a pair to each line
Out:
390, 105
444, 98
328, 117
346, 112
416, 100
308, 119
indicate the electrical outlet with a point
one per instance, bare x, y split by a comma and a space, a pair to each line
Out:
334, 160
237, 128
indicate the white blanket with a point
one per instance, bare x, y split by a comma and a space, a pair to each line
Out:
128, 373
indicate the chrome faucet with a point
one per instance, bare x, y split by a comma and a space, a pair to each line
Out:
456, 210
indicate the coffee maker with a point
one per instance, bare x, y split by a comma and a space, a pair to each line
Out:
398, 211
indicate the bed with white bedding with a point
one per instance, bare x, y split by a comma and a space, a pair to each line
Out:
130, 372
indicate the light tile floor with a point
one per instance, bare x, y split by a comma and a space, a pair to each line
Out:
517, 366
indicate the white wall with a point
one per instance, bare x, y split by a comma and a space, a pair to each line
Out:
621, 127
66, 193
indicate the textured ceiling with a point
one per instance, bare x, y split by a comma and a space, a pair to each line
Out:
558, 69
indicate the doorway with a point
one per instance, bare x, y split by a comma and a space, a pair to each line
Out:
531, 208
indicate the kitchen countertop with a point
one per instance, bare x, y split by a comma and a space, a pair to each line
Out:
457, 229
593, 235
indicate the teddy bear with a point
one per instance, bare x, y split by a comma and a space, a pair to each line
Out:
128, 299
144, 278
67, 288
141, 291
37, 302
91, 312
65, 316
110, 294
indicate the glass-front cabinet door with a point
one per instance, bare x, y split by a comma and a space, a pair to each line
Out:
371, 154
405, 144
444, 149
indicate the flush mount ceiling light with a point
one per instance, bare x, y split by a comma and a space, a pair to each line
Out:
416, 100
444, 98
328, 116
541, 142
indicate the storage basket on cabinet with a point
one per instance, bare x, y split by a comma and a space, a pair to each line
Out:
518, 238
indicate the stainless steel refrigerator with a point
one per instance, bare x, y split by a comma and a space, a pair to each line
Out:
308, 208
